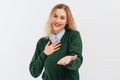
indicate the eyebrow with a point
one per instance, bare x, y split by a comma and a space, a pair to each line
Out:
61, 15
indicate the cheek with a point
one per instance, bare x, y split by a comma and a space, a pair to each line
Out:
64, 22
53, 20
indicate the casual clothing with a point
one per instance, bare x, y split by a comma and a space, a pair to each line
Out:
71, 44
54, 37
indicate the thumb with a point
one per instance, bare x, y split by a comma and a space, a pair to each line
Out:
48, 43
74, 57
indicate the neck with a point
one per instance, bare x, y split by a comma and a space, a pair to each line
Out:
56, 32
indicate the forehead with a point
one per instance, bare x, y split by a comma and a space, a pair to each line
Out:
61, 12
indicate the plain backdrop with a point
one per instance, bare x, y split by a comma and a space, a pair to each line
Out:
22, 23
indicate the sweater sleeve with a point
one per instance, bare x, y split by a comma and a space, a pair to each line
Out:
75, 48
37, 62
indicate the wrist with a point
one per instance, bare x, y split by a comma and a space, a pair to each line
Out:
45, 52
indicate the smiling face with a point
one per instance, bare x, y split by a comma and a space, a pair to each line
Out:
59, 20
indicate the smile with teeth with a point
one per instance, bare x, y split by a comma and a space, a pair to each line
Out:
57, 24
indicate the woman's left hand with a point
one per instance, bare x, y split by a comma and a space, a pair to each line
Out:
66, 60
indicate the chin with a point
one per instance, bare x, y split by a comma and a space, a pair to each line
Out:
56, 29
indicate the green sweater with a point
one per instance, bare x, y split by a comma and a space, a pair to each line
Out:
71, 44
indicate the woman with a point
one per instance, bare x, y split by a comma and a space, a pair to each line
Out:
60, 53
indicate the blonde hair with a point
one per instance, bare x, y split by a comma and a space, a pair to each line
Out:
70, 21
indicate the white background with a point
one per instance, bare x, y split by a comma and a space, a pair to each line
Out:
22, 23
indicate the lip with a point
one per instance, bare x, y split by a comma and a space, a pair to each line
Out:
57, 24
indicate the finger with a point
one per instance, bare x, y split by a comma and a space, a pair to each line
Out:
60, 62
67, 62
57, 46
74, 57
48, 43
56, 42
56, 49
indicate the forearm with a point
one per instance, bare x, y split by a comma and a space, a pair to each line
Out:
36, 65
75, 64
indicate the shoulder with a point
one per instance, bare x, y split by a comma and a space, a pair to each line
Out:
42, 40
74, 35
73, 32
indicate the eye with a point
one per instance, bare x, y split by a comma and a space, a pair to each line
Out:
55, 16
62, 17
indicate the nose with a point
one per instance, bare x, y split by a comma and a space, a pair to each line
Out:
58, 20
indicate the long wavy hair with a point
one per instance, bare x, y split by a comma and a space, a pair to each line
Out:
70, 20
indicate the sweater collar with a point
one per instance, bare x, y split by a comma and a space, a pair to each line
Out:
58, 36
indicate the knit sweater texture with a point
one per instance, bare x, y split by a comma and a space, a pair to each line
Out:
71, 44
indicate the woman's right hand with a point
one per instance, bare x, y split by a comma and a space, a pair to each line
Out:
50, 48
